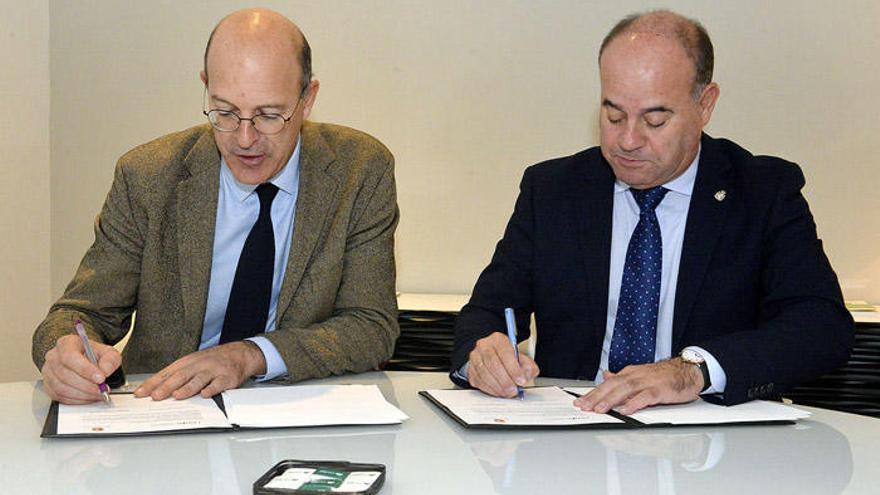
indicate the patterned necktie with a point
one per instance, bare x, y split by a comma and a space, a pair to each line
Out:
635, 328
248, 307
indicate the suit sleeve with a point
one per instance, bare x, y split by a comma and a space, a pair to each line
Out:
804, 330
360, 333
103, 292
506, 282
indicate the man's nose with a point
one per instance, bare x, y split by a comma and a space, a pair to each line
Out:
246, 134
631, 138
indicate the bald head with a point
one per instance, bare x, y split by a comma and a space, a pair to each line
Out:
687, 33
259, 31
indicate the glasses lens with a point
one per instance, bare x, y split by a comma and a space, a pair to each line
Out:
223, 120
269, 123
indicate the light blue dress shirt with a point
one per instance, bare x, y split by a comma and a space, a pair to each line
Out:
237, 210
672, 215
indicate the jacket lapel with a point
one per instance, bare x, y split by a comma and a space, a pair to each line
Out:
594, 211
196, 217
705, 222
316, 198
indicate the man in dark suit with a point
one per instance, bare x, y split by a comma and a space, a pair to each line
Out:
663, 264
257, 246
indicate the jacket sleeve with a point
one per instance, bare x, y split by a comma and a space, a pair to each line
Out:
506, 282
804, 329
103, 292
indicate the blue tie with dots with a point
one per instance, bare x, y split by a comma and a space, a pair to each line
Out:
635, 328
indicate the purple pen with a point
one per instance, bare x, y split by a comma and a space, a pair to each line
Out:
81, 331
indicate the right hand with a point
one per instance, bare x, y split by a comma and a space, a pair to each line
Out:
68, 375
492, 367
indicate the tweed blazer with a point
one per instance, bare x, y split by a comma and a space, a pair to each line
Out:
154, 237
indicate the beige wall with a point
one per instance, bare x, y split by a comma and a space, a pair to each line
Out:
467, 94
24, 181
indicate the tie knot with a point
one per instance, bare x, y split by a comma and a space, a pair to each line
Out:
648, 199
266, 191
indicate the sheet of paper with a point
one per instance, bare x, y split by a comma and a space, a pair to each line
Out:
310, 405
132, 415
542, 406
701, 412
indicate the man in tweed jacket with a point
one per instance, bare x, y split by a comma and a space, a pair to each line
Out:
157, 239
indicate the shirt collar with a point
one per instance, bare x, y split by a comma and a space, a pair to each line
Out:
683, 184
286, 179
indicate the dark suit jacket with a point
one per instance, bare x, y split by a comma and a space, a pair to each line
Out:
755, 288
337, 309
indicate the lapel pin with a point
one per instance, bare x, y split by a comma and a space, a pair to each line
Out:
720, 195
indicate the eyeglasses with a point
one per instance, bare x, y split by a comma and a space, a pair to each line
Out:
264, 123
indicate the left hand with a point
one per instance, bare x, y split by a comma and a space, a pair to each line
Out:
636, 387
207, 372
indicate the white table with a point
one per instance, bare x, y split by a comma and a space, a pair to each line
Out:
430, 454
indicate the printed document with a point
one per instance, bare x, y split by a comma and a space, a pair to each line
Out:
129, 414
542, 406
258, 407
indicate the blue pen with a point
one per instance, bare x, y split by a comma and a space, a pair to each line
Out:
511, 334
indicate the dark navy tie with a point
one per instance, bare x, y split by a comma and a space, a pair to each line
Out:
248, 307
635, 328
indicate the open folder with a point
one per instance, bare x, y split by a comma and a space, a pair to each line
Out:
552, 407
263, 407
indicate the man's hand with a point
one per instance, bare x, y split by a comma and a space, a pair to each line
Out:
207, 372
493, 367
68, 375
638, 386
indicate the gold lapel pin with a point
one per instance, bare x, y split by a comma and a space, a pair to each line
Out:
720, 195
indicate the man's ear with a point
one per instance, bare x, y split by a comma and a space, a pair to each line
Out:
310, 94
204, 77
707, 101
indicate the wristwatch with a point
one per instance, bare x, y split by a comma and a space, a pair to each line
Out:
693, 357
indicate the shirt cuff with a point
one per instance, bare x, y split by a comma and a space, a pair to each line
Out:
275, 366
716, 372
461, 373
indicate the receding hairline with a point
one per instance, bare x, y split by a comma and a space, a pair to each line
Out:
299, 43
688, 33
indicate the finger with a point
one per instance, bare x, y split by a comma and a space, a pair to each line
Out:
192, 387
173, 382
637, 402
505, 386
71, 385
108, 358
478, 376
529, 367
631, 381
602, 398
217, 385
152, 383
511, 365
73, 357
499, 357
587, 402
146, 388
57, 390
485, 381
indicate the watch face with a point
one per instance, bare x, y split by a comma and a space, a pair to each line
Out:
692, 356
